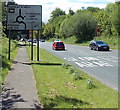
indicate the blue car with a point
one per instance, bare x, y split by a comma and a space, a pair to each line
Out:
98, 45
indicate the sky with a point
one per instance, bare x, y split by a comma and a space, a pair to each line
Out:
49, 5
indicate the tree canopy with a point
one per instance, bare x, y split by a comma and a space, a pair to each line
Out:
83, 23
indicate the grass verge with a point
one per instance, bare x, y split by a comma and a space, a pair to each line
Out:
5, 63
60, 85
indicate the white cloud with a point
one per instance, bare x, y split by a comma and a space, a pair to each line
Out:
49, 5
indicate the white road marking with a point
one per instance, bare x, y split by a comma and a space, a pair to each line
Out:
66, 59
110, 58
81, 58
70, 59
93, 64
102, 64
81, 65
73, 59
89, 62
84, 64
88, 58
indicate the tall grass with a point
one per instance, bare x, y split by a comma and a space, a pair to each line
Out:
5, 63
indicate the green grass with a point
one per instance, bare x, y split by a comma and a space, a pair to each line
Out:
57, 87
5, 63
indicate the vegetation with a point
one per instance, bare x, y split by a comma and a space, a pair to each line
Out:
83, 23
60, 85
5, 64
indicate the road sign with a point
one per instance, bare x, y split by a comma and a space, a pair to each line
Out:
24, 17
98, 28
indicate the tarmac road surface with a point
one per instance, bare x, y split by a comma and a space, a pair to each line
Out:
103, 65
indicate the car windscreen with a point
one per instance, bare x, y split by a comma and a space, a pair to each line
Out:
60, 44
100, 42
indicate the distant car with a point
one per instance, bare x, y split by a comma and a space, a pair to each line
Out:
99, 45
29, 40
57, 40
42, 40
58, 45
34, 41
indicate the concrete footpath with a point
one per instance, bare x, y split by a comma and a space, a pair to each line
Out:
19, 89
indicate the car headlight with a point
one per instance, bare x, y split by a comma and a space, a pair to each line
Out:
99, 45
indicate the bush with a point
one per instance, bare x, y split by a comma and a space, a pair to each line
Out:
71, 70
90, 84
64, 65
77, 75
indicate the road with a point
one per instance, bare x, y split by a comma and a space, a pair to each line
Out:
102, 65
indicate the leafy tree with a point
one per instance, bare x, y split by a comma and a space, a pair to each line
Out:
116, 17
81, 25
55, 13
57, 22
71, 12
66, 28
93, 9
47, 32
104, 21
109, 8
84, 26
4, 13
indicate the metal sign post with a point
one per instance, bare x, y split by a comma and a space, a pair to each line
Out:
32, 46
38, 45
9, 36
24, 17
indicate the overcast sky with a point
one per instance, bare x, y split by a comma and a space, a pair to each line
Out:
49, 5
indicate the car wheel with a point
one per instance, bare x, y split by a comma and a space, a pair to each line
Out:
97, 49
91, 48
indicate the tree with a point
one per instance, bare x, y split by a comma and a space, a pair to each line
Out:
71, 12
55, 13
57, 22
116, 17
47, 32
84, 26
93, 9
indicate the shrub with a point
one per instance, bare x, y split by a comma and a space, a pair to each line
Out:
71, 70
77, 75
90, 84
64, 65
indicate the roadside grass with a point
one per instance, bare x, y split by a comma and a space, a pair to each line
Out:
5, 63
58, 87
112, 41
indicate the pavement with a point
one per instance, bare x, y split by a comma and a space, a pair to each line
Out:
19, 90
